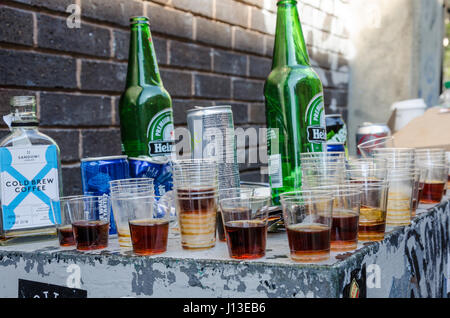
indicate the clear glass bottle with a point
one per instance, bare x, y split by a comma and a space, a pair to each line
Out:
30, 177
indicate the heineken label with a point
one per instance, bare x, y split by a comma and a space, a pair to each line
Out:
315, 123
29, 187
160, 134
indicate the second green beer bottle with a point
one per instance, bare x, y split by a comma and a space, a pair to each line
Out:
145, 108
294, 104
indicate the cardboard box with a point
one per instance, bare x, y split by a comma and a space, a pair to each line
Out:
431, 130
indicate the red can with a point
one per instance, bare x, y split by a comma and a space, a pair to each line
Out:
369, 131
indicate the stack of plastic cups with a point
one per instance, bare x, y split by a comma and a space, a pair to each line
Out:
371, 177
319, 169
196, 196
403, 180
121, 190
345, 216
435, 174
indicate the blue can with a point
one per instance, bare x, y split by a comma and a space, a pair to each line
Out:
158, 168
96, 173
335, 147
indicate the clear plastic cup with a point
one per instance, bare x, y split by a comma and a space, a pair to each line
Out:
308, 219
245, 221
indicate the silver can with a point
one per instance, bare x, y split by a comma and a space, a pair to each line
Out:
212, 136
369, 131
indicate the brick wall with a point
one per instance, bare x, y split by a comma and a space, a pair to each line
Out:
210, 52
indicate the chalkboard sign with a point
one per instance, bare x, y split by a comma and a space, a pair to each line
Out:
31, 289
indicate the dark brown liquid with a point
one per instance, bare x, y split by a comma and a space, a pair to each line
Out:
91, 235
149, 236
197, 215
246, 238
432, 192
309, 242
344, 231
419, 197
220, 227
414, 207
65, 235
193, 200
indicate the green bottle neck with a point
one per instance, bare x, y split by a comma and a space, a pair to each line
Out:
290, 48
142, 63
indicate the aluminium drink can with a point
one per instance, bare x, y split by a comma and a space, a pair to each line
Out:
96, 173
157, 168
369, 131
212, 136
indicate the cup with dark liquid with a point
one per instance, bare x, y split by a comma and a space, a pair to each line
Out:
127, 188
64, 227
196, 198
308, 220
224, 194
434, 182
245, 222
148, 222
90, 216
345, 217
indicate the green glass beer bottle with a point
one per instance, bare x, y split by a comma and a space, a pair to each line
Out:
294, 103
145, 108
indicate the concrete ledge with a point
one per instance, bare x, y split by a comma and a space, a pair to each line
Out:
411, 261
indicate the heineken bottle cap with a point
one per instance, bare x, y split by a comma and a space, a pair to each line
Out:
139, 19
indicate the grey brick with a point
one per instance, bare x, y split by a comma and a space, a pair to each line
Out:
213, 32
257, 113
248, 90
101, 142
177, 83
103, 76
320, 57
263, 21
114, 11
181, 106
260, 67
53, 33
248, 41
16, 26
75, 110
160, 46
190, 55
36, 70
229, 62
269, 44
71, 177
240, 111
232, 12
59, 5
122, 46
268, 5
68, 142
203, 7
212, 86
168, 21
